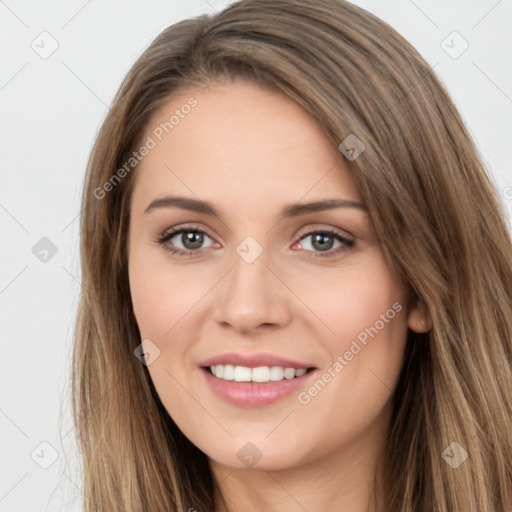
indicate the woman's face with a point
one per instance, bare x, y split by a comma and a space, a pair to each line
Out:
267, 284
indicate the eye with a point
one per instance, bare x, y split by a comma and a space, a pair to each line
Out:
192, 239
189, 237
322, 242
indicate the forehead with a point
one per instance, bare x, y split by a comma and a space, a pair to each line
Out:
239, 142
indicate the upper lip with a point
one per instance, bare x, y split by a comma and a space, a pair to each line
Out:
254, 360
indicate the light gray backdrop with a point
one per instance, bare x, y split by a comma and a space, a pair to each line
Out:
62, 62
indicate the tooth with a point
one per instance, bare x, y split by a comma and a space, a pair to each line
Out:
229, 372
242, 374
289, 373
260, 374
276, 373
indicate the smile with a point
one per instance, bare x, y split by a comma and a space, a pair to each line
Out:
253, 387
258, 374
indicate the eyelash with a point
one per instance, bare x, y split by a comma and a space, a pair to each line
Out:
166, 236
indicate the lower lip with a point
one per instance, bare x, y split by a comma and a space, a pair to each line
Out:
254, 394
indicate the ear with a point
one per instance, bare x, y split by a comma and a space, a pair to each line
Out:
419, 319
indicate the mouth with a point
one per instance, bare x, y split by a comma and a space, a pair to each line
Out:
258, 374
255, 380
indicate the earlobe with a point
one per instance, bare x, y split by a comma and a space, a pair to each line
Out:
419, 319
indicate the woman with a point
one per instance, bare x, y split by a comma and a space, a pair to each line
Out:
297, 278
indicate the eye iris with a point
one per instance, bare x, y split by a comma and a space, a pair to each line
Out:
325, 242
194, 237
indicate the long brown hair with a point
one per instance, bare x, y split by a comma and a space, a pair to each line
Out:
435, 210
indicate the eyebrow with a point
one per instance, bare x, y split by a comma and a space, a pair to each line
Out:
292, 210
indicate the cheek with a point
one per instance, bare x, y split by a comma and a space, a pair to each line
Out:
364, 334
161, 298
163, 301
353, 299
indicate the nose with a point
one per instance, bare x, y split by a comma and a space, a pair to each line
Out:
252, 297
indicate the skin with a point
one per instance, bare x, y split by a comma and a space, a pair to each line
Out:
249, 152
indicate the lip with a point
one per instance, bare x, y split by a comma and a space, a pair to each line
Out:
254, 394
254, 360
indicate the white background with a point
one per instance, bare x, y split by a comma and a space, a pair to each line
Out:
51, 110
